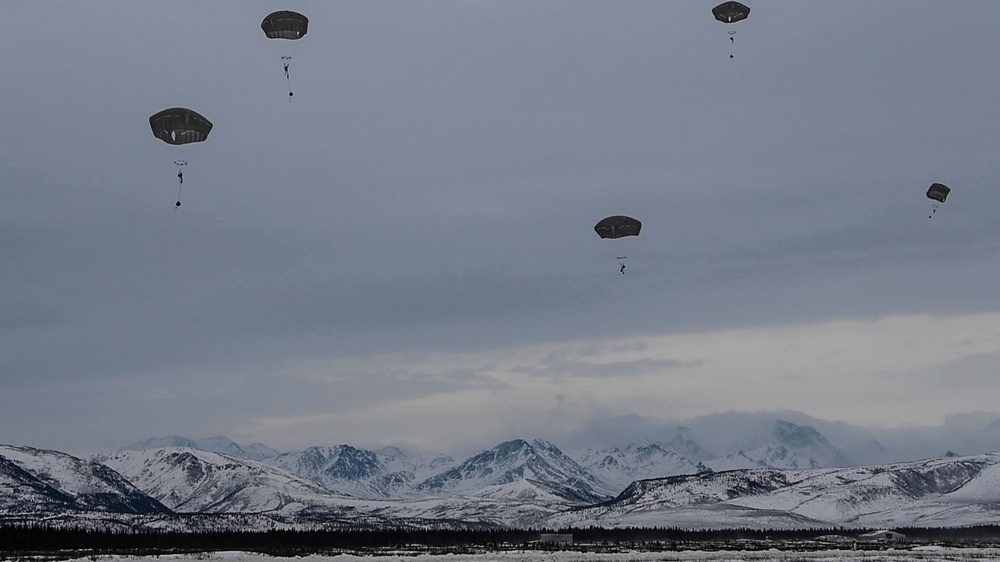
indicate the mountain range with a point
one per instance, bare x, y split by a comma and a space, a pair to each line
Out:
784, 476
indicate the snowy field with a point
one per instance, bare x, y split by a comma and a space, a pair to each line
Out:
928, 553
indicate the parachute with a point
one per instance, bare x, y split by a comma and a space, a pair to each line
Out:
177, 126
285, 24
938, 192
731, 12
618, 226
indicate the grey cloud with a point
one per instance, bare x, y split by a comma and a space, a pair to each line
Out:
434, 184
615, 369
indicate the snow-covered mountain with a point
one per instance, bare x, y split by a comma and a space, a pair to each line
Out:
217, 444
948, 491
520, 484
421, 464
773, 444
517, 504
619, 467
781, 444
35, 481
540, 463
192, 481
388, 472
683, 441
517, 484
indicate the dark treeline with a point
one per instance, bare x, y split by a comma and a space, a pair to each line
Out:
33, 537
985, 533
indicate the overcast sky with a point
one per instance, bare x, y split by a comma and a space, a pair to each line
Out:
405, 252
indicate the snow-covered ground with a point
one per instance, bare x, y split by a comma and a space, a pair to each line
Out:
927, 553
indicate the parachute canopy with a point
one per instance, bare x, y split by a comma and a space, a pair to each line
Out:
617, 226
938, 192
730, 12
285, 24
179, 125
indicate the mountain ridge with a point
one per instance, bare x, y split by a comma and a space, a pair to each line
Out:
930, 492
943, 491
776, 474
31, 477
